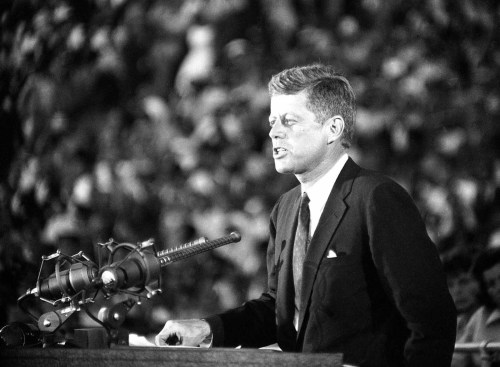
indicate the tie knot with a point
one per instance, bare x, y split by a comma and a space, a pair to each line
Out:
304, 210
304, 200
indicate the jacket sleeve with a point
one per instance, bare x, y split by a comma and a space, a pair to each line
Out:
252, 325
409, 267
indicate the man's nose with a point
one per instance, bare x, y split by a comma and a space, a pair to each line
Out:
277, 130
496, 286
454, 289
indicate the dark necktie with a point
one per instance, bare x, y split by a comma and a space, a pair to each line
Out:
299, 249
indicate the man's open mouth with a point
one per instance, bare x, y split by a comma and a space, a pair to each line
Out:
278, 150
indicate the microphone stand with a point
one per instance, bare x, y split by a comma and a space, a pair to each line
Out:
135, 273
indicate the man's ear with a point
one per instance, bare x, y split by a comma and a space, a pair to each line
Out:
335, 127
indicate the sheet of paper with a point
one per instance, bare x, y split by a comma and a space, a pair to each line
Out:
135, 340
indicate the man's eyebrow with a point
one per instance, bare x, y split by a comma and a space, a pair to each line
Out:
281, 116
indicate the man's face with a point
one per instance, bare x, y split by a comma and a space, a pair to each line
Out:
299, 141
491, 278
464, 290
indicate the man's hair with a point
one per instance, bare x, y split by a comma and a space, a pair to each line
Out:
457, 264
328, 92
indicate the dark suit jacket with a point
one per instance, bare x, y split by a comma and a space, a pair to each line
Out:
382, 301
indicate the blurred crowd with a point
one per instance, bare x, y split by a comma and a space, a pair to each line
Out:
137, 119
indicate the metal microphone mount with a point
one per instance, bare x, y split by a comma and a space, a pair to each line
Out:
134, 270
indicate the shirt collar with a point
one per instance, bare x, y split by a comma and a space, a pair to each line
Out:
319, 191
493, 317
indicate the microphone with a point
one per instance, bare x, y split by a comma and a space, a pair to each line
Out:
141, 268
19, 334
135, 271
167, 257
65, 283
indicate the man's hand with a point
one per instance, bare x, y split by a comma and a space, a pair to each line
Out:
183, 332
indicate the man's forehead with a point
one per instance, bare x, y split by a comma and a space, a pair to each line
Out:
283, 103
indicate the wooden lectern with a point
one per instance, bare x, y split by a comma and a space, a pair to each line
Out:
155, 357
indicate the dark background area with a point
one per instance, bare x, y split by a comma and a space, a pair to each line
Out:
148, 119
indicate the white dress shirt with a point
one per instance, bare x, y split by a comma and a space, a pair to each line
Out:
318, 192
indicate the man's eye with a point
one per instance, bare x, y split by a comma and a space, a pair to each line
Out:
284, 122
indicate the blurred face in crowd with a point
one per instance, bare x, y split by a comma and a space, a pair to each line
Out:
464, 290
491, 278
301, 144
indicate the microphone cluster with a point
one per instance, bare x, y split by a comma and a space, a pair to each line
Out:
135, 271
130, 269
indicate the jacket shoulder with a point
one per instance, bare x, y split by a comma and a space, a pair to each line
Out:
371, 181
285, 202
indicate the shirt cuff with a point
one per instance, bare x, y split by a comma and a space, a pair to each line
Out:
217, 328
207, 342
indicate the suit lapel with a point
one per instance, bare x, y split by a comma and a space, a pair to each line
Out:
285, 295
333, 212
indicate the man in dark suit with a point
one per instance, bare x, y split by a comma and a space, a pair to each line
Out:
351, 268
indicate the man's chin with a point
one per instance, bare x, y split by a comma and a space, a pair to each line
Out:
282, 169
